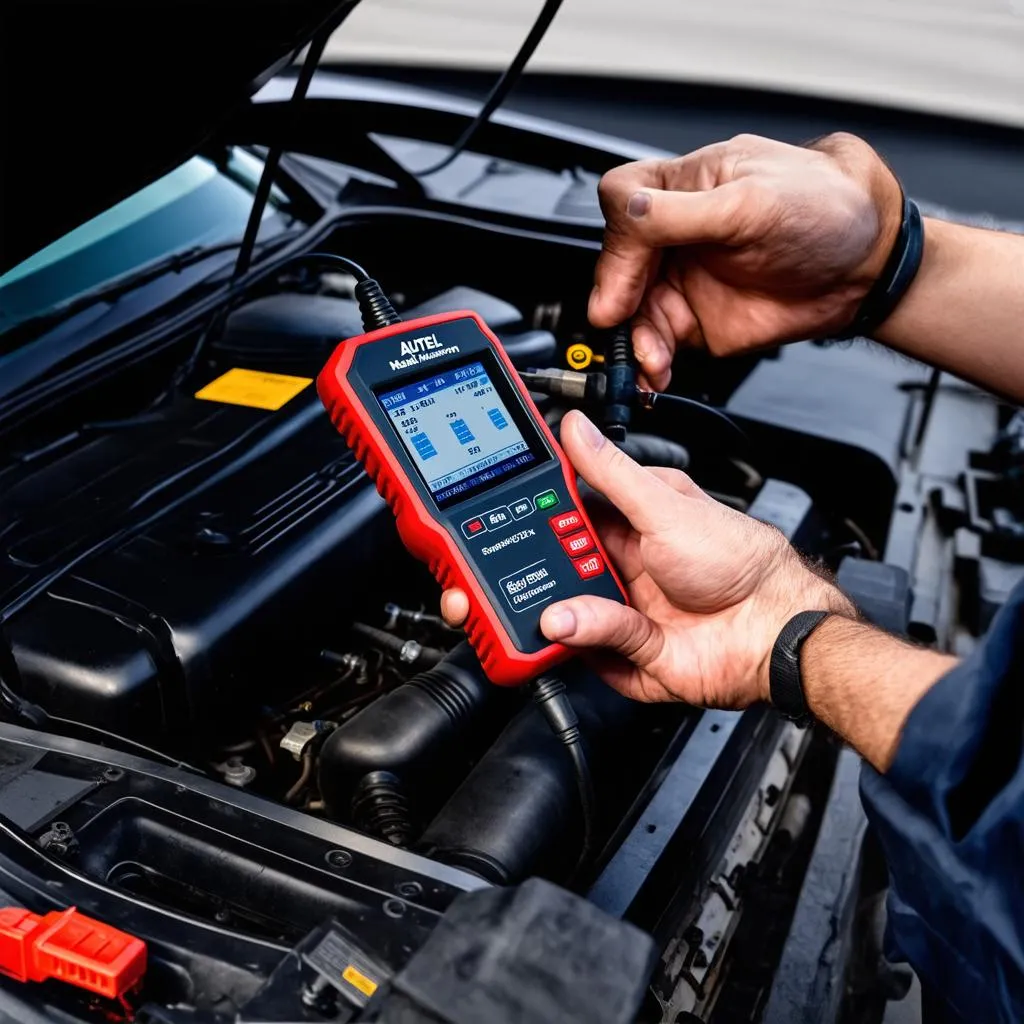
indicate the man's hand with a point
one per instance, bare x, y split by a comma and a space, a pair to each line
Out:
710, 588
743, 244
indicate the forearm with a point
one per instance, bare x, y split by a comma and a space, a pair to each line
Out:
863, 684
965, 310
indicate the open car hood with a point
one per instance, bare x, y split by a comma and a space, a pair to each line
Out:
101, 98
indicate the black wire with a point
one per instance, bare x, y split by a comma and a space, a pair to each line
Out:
238, 288
928, 400
374, 305
273, 159
649, 399
328, 257
588, 801
551, 699
502, 87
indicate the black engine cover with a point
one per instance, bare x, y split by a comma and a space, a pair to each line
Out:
211, 543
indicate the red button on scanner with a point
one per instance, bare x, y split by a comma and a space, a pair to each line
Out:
471, 527
566, 522
589, 565
578, 543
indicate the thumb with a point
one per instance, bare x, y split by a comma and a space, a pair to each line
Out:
647, 501
658, 217
644, 221
599, 622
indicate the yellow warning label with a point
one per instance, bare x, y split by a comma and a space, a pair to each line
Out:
358, 980
253, 388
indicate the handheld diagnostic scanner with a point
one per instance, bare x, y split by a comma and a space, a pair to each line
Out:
481, 491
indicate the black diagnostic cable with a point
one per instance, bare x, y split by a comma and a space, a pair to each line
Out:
374, 306
549, 695
501, 88
620, 387
650, 399
274, 154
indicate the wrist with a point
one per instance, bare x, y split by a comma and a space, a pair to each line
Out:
940, 265
881, 196
801, 589
887, 198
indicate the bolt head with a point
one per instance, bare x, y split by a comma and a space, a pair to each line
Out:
394, 908
338, 858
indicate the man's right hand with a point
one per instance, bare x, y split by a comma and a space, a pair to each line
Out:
709, 587
743, 244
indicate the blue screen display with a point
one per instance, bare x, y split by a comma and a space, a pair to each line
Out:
457, 430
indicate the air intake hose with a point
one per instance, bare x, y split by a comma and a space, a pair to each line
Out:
518, 811
389, 768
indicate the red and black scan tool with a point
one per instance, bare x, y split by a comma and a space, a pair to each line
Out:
480, 489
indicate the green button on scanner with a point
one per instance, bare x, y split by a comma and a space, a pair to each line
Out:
546, 500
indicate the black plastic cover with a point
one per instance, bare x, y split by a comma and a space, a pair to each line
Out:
215, 546
531, 953
882, 592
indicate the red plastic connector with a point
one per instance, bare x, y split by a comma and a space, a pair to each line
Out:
71, 947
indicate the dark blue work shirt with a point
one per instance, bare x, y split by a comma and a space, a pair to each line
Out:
950, 816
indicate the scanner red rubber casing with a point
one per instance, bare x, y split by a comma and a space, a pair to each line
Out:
424, 537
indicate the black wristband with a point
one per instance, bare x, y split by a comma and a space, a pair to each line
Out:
896, 278
784, 678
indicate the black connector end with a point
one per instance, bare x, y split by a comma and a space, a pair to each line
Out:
549, 695
620, 394
374, 306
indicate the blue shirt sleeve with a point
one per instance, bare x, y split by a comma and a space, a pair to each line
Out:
950, 817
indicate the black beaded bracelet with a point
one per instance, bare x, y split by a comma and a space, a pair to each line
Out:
896, 278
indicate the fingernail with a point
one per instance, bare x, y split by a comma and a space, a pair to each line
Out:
639, 204
589, 433
559, 623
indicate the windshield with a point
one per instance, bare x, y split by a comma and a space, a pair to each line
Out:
198, 203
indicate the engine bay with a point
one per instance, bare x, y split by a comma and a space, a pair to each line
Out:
220, 583
204, 579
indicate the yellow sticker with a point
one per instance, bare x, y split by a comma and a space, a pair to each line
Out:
359, 980
254, 388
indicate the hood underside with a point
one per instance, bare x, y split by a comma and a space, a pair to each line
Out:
101, 98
